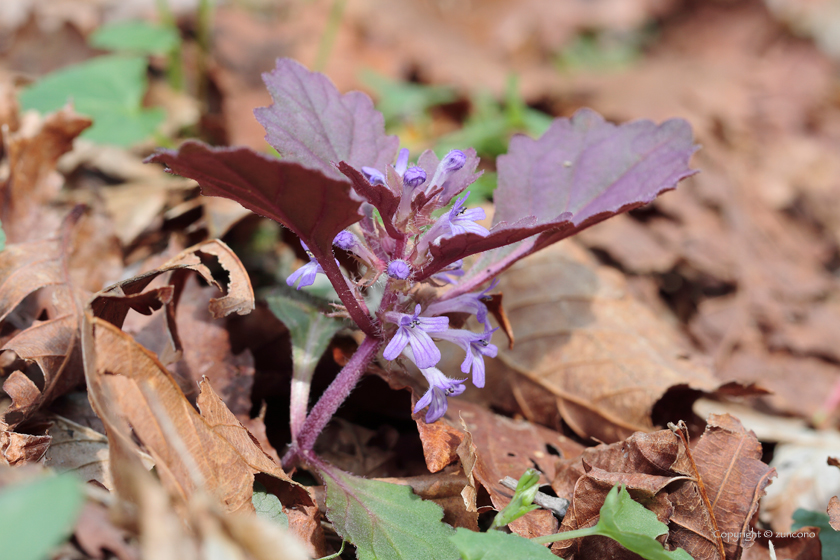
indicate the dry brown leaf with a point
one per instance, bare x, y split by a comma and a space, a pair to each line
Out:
834, 513
207, 352
604, 357
32, 153
788, 548
77, 448
83, 451
20, 449
502, 447
188, 453
96, 534
659, 473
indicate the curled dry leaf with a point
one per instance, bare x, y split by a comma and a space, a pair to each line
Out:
189, 455
600, 354
52, 344
32, 153
658, 472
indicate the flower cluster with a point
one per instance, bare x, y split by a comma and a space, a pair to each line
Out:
401, 249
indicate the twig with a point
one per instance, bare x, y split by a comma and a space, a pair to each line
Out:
559, 506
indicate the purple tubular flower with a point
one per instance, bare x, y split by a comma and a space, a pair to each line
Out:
440, 387
452, 162
457, 221
449, 273
348, 241
373, 176
462, 220
465, 303
398, 269
476, 345
402, 161
414, 177
307, 272
415, 330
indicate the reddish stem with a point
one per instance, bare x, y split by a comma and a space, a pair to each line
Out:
333, 397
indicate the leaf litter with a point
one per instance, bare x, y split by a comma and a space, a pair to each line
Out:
761, 307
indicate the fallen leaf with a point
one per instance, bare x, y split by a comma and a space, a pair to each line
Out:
501, 447
603, 357
834, 513
32, 154
659, 473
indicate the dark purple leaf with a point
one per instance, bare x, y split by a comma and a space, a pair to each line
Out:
312, 124
581, 171
380, 196
313, 206
310, 204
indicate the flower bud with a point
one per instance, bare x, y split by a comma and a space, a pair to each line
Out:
344, 240
399, 269
402, 161
373, 176
453, 161
414, 177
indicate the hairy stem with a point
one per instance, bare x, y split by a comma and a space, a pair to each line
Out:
336, 393
355, 308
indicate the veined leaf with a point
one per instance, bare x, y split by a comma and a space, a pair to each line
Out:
496, 545
268, 506
109, 89
385, 521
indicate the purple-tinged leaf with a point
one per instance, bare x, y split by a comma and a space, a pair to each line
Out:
379, 195
312, 124
312, 205
581, 171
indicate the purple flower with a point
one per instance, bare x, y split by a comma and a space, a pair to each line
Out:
476, 345
373, 176
307, 272
414, 177
348, 241
402, 162
440, 387
462, 220
465, 303
450, 272
452, 162
415, 330
457, 221
345, 240
399, 269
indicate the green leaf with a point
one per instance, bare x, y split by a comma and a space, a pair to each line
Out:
268, 506
2, 237
385, 521
495, 545
829, 538
139, 37
107, 88
521, 503
628, 522
400, 101
37, 516
310, 329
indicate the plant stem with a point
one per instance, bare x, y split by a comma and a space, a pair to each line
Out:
356, 309
566, 536
336, 393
